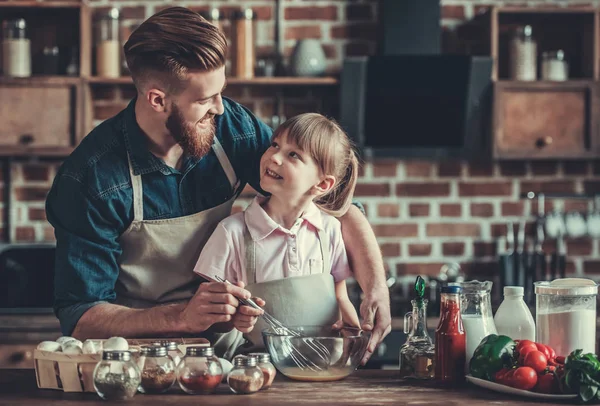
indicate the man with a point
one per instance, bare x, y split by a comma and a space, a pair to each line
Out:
135, 203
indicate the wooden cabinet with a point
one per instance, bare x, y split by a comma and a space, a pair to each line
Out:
545, 120
16, 356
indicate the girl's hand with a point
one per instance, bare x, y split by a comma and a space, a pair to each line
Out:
245, 317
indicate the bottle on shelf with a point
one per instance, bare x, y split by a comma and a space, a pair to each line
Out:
108, 45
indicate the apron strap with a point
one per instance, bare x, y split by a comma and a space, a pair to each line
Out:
138, 193
250, 246
326, 256
225, 163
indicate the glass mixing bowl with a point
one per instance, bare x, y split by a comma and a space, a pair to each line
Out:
320, 354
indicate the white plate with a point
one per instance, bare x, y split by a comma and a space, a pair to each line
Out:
514, 391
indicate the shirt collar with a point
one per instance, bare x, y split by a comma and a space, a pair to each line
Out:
260, 225
142, 160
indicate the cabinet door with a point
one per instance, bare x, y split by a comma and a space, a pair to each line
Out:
37, 116
544, 120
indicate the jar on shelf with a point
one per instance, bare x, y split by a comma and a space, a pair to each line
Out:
199, 371
172, 350
243, 37
523, 55
116, 377
246, 376
267, 368
158, 373
16, 49
108, 45
214, 17
554, 66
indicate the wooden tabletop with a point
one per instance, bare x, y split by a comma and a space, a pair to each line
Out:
364, 387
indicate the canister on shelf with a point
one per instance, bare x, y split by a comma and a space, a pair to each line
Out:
243, 35
554, 66
523, 55
16, 49
108, 45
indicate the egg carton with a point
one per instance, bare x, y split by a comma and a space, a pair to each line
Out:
75, 373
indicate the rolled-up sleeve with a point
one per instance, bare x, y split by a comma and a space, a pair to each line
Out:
87, 250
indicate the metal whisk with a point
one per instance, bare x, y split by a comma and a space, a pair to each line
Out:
302, 361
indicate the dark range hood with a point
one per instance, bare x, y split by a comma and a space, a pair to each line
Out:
410, 100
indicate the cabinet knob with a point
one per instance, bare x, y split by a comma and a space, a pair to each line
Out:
26, 139
20, 356
544, 141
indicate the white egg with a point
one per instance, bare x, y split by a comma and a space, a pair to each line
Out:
91, 347
71, 343
49, 346
62, 340
226, 366
116, 344
72, 349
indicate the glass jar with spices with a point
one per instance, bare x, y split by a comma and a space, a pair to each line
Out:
243, 37
172, 350
418, 353
523, 55
554, 66
158, 373
265, 365
16, 49
108, 45
199, 371
450, 339
116, 377
246, 376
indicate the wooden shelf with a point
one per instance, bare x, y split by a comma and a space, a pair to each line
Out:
259, 81
40, 4
545, 85
41, 80
546, 10
23, 151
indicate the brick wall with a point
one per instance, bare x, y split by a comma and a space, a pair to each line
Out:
423, 213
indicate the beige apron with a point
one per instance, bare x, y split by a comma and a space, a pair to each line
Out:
295, 301
159, 255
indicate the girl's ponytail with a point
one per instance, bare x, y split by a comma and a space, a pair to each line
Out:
338, 200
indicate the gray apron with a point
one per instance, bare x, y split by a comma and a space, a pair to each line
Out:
158, 257
295, 301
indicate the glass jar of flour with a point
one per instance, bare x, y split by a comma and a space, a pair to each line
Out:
566, 314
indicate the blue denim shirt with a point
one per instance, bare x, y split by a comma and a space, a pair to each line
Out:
91, 201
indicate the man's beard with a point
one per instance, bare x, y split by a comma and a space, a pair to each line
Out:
194, 142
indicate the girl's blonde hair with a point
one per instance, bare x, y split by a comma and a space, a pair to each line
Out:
332, 150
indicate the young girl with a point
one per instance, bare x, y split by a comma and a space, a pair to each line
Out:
288, 247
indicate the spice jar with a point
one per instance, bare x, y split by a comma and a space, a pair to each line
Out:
242, 41
116, 377
108, 46
554, 66
267, 368
523, 54
158, 373
172, 350
450, 338
16, 49
199, 371
246, 376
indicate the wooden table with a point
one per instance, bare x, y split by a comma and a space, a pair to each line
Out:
364, 387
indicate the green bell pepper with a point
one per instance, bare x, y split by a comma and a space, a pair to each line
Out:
491, 355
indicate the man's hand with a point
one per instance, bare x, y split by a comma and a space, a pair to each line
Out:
375, 312
245, 317
214, 302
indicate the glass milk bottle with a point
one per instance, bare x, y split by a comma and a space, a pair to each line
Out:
566, 314
108, 46
476, 312
16, 49
513, 318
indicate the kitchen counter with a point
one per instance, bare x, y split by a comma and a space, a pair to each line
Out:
364, 387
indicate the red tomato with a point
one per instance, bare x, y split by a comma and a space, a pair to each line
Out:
560, 360
499, 376
536, 360
544, 349
523, 378
546, 384
524, 351
524, 343
552, 352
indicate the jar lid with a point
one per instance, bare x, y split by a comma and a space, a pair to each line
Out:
451, 289
558, 55
262, 357
116, 355
200, 351
112, 14
567, 287
245, 14
155, 350
245, 361
514, 291
171, 345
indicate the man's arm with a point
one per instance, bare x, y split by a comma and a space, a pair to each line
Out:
367, 263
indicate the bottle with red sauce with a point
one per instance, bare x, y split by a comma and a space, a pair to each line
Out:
450, 339
199, 371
